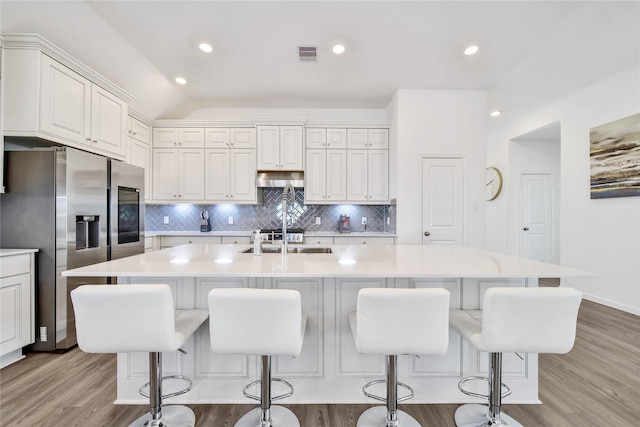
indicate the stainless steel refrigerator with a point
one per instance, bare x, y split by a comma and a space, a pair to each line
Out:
58, 201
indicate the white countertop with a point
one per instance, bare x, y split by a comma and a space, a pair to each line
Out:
9, 252
345, 261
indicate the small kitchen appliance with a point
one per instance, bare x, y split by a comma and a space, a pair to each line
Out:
205, 225
345, 224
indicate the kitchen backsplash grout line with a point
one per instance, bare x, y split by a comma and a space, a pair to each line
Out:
186, 217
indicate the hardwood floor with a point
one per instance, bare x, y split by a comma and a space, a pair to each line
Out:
596, 384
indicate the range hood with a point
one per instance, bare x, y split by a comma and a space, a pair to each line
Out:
271, 179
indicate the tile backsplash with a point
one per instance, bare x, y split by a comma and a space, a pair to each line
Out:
184, 217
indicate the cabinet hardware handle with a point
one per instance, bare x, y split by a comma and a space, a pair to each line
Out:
95, 140
526, 229
88, 139
427, 234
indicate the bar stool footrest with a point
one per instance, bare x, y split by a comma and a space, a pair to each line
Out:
246, 393
465, 380
145, 393
384, 399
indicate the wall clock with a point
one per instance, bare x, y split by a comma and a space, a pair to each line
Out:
493, 182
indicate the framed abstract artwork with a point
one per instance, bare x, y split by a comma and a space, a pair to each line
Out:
615, 158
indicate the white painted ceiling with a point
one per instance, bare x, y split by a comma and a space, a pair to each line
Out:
531, 52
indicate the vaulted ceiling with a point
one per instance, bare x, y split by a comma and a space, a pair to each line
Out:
530, 52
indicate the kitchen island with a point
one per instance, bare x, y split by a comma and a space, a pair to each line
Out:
329, 369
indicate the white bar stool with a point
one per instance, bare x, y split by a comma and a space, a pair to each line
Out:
392, 321
513, 320
263, 322
138, 318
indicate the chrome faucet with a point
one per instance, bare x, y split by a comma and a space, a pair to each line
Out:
288, 194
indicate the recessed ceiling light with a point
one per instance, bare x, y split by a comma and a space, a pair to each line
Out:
338, 49
495, 113
471, 50
205, 47
181, 80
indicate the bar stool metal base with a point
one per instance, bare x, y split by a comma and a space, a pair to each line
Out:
172, 416
473, 415
377, 417
283, 418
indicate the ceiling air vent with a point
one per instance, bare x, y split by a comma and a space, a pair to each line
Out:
307, 54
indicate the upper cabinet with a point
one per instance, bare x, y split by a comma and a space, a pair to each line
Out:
139, 141
347, 166
178, 138
280, 148
52, 96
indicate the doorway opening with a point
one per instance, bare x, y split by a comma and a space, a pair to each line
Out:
534, 210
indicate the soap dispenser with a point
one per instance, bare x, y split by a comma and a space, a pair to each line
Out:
257, 243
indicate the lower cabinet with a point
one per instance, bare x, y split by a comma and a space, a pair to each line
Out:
370, 240
16, 306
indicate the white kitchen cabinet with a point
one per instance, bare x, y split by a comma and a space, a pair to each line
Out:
359, 240
230, 175
230, 138
368, 138
178, 174
52, 101
170, 241
236, 240
139, 130
280, 148
368, 175
139, 136
178, 138
326, 176
17, 313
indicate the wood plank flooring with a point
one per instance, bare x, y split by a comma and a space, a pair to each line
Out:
596, 384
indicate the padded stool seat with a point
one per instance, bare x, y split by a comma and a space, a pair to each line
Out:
393, 321
513, 320
265, 323
138, 318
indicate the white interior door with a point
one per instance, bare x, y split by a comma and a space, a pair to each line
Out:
443, 201
536, 241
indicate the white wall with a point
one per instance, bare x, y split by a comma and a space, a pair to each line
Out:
603, 235
438, 122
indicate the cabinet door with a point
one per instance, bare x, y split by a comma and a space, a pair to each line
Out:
216, 137
139, 155
291, 148
191, 174
243, 138
336, 187
268, 148
165, 174
243, 175
357, 175
316, 138
336, 138
378, 175
357, 138
66, 102
217, 174
314, 176
139, 131
108, 121
165, 138
15, 312
378, 138
191, 138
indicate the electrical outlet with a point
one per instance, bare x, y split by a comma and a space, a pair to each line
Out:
318, 220
364, 220
230, 220
388, 221
166, 220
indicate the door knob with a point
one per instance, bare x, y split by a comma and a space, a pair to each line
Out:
427, 234
526, 229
